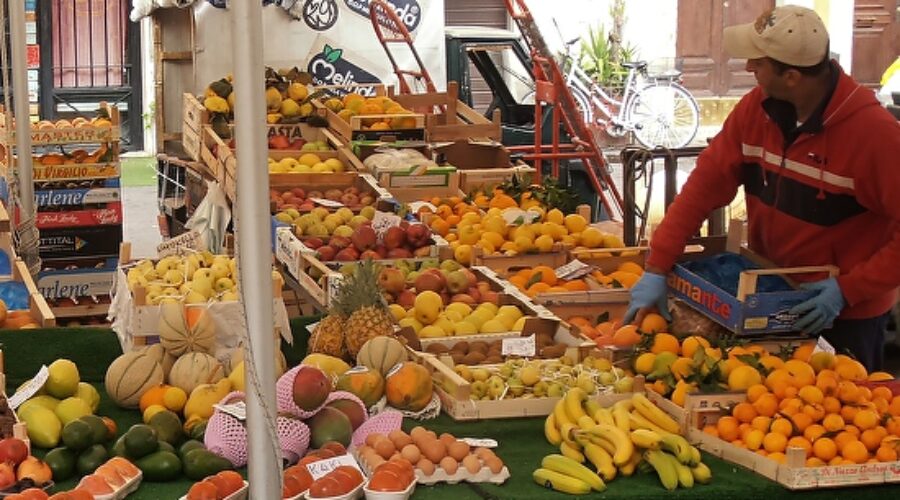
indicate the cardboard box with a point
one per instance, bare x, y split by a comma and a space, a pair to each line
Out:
70, 278
75, 242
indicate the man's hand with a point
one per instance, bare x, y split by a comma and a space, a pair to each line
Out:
650, 291
821, 309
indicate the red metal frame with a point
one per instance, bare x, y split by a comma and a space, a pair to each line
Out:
390, 29
551, 88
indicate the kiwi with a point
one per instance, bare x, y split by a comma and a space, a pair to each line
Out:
461, 346
457, 357
436, 348
479, 346
474, 358
553, 351
494, 359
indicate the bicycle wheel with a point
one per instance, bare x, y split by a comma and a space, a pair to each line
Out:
582, 102
663, 114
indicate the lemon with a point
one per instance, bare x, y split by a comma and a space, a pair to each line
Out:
411, 322
89, 394
432, 331
592, 238
297, 91
644, 363
486, 246
460, 308
463, 254
555, 216
519, 324
544, 243
321, 168
465, 328
309, 159
444, 324
523, 244
397, 311
493, 326
63, 379
575, 223
335, 164
453, 316
428, 306
475, 320
174, 399
487, 306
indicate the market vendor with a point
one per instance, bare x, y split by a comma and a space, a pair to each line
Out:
818, 158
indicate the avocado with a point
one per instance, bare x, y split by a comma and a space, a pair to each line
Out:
200, 462
141, 440
190, 444
198, 431
168, 427
118, 449
164, 446
98, 428
159, 466
91, 458
61, 462
77, 435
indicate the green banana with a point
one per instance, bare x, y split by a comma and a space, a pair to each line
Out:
602, 460
685, 476
569, 467
701, 473
695, 457
560, 482
678, 446
645, 438
664, 467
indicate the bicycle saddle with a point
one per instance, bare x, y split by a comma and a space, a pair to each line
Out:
573, 41
635, 64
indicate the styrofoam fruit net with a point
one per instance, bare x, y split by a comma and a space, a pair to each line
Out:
284, 392
432, 410
293, 437
226, 435
383, 423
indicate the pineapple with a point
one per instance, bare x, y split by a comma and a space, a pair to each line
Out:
328, 337
361, 301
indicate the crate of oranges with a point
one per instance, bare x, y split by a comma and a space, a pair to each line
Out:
817, 420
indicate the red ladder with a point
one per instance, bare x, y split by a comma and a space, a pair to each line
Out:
391, 30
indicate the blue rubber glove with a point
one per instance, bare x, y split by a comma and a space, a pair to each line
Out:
821, 309
650, 291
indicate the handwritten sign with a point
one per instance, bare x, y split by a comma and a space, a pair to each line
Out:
480, 443
327, 203
384, 221
288, 250
30, 388
188, 242
518, 346
573, 270
237, 410
321, 467
823, 345
334, 286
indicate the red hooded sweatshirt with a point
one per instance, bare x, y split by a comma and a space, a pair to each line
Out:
828, 193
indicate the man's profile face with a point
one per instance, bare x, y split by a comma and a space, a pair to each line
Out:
771, 83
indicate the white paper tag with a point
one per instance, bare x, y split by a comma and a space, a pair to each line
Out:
188, 242
823, 345
572, 270
519, 346
334, 287
311, 328
327, 203
287, 251
237, 410
30, 388
321, 467
416, 205
384, 221
543, 312
480, 443
517, 216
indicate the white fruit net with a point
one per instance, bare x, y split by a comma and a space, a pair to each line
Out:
226, 435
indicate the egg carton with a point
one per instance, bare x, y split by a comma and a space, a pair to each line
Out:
484, 475
390, 495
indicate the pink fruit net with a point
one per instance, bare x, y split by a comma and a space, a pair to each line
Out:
293, 436
226, 435
383, 423
284, 391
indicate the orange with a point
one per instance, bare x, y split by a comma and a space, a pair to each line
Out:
203, 490
801, 421
548, 275
813, 432
789, 406
761, 423
803, 352
778, 457
814, 462
843, 438
851, 370
754, 439
871, 438
777, 378
743, 377
881, 405
728, 428
711, 429
849, 412
865, 394
831, 404
744, 412
771, 362
847, 391
824, 448
754, 391
664, 342
886, 453
690, 345
880, 376
811, 394
838, 460
626, 336
802, 373
800, 442
782, 426
827, 382
153, 396
774, 442
815, 412
766, 405
852, 429
537, 288
744, 429
855, 452
762, 451
440, 226
865, 419
575, 286
833, 422
654, 323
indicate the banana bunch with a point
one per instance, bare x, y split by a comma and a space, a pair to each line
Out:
614, 441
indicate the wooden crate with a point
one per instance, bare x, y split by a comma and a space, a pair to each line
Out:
195, 117
485, 179
793, 475
449, 119
506, 265
68, 135
38, 309
444, 186
323, 182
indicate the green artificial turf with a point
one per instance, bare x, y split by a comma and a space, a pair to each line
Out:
521, 441
138, 171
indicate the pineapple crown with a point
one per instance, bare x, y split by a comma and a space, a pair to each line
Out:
360, 289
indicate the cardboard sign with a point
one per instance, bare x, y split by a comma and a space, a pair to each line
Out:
30, 388
573, 270
186, 243
480, 443
823, 345
320, 468
288, 250
237, 410
519, 346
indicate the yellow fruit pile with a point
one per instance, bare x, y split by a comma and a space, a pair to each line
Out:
430, 319
354, 104
305, 164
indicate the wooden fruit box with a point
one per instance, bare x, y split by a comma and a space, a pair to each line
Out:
507, 265
38, 310
195, 117
456, 401
323, 182
793, 474
71, 172
449, 119
484, 179
88, 134
447, 185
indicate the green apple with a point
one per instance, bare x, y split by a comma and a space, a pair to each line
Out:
223, 284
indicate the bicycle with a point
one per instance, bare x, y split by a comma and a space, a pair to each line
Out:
655, 108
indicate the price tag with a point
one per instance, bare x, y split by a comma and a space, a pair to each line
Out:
237, 410
519, 346
823, 345
517, 216
333, 284
311, 328
30, 388
480, 443
287, 251
574, 269
188, 242
416, 205
384, 221
327, 203
321, 467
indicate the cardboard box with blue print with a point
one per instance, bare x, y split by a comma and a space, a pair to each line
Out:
742, 291
75, 242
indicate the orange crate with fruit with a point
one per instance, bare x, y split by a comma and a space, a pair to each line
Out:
354, 116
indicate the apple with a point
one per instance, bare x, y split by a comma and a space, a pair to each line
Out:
7, 475
363, 238
457, 281
326, 252
202, 273
202, 286
13, 450
406, 299
392, 280
223, 284
394, 237
219, 269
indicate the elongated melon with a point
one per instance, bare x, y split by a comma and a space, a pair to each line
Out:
130, 375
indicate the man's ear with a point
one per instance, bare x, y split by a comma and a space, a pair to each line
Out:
792, 77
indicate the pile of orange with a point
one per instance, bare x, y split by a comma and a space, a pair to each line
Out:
625, 276
543, 279
448, 214
821, 403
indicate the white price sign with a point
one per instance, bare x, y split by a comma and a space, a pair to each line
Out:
573, 270
236, 410
327, 203
287, 251
30, 388
188, 242
519, 346
823, 345
321, 467
480, 443
311, 328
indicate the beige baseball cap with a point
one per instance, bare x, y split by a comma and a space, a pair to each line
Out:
789, 34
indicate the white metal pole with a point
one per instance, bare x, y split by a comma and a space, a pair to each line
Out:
254, 244
20, 108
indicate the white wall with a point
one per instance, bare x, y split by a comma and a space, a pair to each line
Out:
838, 18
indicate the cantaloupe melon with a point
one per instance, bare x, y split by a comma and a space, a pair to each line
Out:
381, 354
130, 375
184, 329
193, 369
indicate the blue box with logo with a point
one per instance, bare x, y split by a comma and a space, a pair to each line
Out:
740, 290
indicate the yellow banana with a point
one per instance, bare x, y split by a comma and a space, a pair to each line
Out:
551, 432
591, 406
628, 469
572, 450
560, 415
685, 477
637, 421
604, 416
606, 444
602, 460
573, 400
665, 468
567, 431
701, 473
560, 482
678, 446
695, 457
624, 404
654, 414
623, 445
585, 422
645, 438
620, 415
569, 467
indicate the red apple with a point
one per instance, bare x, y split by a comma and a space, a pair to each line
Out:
399, 253
406, 299
394, 237
419, 235
313, 242
347, 254
392, 280
7, 475
339, 242
363, 238
13, 450
326, 252
298, 192
369, 254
